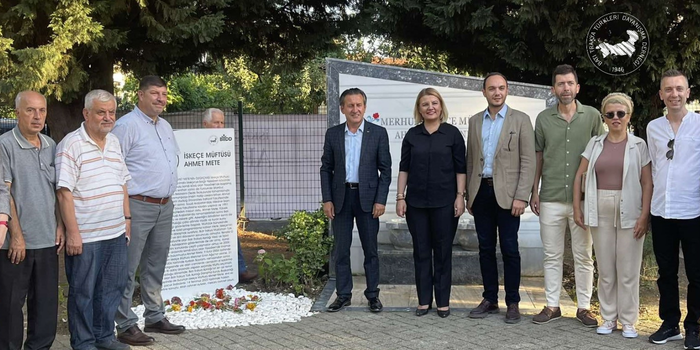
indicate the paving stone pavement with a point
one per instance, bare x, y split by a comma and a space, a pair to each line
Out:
401, 330
397, 327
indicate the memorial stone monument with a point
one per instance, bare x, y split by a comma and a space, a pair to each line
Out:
391, 93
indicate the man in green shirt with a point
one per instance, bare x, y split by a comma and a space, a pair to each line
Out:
561, 134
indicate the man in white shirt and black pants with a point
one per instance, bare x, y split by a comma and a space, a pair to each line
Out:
674, 147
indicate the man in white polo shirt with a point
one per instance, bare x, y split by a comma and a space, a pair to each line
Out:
91, 181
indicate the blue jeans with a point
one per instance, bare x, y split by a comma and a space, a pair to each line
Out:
97, 279
241, 262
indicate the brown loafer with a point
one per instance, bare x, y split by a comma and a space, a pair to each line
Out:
484, 309
546, 315
164, 326
513, 313
587, 318
134, 336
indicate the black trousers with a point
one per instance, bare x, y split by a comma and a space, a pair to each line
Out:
433, 231
367, 228
667, 235
36, 279
490, 220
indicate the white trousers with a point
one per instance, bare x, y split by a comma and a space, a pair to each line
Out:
619, 258
554, 219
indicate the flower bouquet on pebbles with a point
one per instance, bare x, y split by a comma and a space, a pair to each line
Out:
220, 301
233, 307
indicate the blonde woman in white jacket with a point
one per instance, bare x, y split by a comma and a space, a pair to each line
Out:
616, 207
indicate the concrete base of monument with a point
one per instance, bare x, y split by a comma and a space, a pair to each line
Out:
396, 266
397, 251
463, 298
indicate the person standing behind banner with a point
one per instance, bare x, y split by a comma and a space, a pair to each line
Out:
430, 194
151, 155
616, 208
91, 185
355, 178
213, 118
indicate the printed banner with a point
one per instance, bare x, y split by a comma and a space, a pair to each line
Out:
203, 249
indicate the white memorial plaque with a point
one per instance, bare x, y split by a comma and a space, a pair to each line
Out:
203, 249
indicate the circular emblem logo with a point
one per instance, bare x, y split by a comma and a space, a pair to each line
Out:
617, 43
213, 140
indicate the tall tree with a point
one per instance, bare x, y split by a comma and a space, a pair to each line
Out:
526, 39
65, 48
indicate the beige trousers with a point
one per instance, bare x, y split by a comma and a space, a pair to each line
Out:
619, 258
554, 220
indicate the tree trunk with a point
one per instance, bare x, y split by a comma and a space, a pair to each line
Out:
64, 117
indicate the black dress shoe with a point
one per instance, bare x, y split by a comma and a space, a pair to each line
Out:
443, 313
375, 305
423, 312
339, 304
164, 326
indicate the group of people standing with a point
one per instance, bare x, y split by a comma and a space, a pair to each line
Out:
103, 193
580, 170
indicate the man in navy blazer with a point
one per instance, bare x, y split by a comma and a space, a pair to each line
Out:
355, 179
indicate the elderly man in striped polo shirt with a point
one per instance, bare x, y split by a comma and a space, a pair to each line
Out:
91, 181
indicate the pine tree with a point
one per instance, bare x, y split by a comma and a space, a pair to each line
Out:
526, 39
65, 48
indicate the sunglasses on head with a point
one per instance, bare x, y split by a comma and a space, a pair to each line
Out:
611, 115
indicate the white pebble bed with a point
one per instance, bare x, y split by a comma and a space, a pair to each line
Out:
274, 308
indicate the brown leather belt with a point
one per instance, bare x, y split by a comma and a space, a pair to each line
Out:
488, 181
147, 199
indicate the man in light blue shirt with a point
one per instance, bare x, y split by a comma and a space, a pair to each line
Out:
355, 178
500, 169
490, 132
353, 141
150, 153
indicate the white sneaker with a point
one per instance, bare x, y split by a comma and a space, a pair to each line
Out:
628, 331
607, 327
